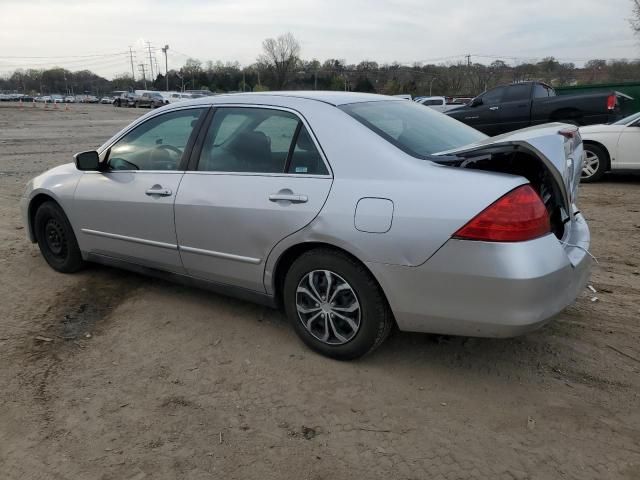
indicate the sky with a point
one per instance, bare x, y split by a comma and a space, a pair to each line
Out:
96, 35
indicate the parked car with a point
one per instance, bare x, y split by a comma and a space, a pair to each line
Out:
439, 104
614, 146
150, 100
440, 230
519, 105
70, 99
173, 97
106, 100
44, 98
404, 96
125, 99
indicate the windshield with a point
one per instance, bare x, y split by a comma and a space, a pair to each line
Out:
627, 120
411, 127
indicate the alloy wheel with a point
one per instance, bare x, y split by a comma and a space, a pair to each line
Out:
328, 307
591, 164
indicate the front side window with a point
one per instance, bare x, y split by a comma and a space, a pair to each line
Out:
416, 130
259, 140
493, 96
515, 93
157, 144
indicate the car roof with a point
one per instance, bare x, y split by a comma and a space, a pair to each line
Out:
330, 97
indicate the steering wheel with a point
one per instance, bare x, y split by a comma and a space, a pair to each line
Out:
165, 164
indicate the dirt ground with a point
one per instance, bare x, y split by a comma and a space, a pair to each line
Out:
146, 379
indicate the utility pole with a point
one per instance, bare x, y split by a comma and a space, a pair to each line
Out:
150, 60
244, 83
468, 60
315, 79
133, 73
144, 77
166, 67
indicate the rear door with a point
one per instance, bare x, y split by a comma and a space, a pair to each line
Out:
259, 177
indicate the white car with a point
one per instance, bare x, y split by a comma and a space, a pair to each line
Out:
437, 103
614, 146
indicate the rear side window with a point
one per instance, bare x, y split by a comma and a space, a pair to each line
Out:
305, 158
259, 140
412, 128
432, 102
542, 91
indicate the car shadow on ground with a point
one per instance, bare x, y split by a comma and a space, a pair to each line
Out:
505, 358
622, 176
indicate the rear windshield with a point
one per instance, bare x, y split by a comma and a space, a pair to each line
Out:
411, 127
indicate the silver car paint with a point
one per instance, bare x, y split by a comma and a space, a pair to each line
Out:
130, 223
227, 225
416, 263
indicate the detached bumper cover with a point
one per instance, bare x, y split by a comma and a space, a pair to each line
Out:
489, 289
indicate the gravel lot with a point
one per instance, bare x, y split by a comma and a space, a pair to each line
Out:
146, 379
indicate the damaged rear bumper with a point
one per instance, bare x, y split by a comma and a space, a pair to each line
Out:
489, 289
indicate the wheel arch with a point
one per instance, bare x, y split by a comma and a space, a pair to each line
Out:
287, 257
604, 148
34, 204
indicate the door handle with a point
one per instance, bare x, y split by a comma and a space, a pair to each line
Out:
161, 192
293, 198
494, 108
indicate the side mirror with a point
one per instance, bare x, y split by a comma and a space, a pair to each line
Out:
87, 161
475, 102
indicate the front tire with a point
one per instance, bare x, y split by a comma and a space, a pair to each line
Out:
335, 305
595, 163
56, 239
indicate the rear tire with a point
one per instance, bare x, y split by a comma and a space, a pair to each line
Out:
56, 239
335, 305
595, 163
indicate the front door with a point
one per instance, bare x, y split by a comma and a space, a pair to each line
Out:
486, 115
628, 148
259, 178
126, 211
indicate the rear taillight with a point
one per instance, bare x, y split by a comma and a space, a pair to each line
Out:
611, 102
518, 216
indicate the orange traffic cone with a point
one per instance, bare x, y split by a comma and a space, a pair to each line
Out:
66, 107
55, 104
21, 105
33, 103
46, 105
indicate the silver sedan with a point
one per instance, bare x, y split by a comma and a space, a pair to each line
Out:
355, 213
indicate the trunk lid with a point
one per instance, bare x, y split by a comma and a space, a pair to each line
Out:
556, 148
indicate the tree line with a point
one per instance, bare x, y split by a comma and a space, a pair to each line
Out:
280, 66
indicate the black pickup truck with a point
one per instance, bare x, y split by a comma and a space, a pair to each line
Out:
511, 107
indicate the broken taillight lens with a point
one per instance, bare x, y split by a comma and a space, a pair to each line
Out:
518, 216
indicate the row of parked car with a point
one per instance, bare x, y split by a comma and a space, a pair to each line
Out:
152, 98
611, 140
138, 98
